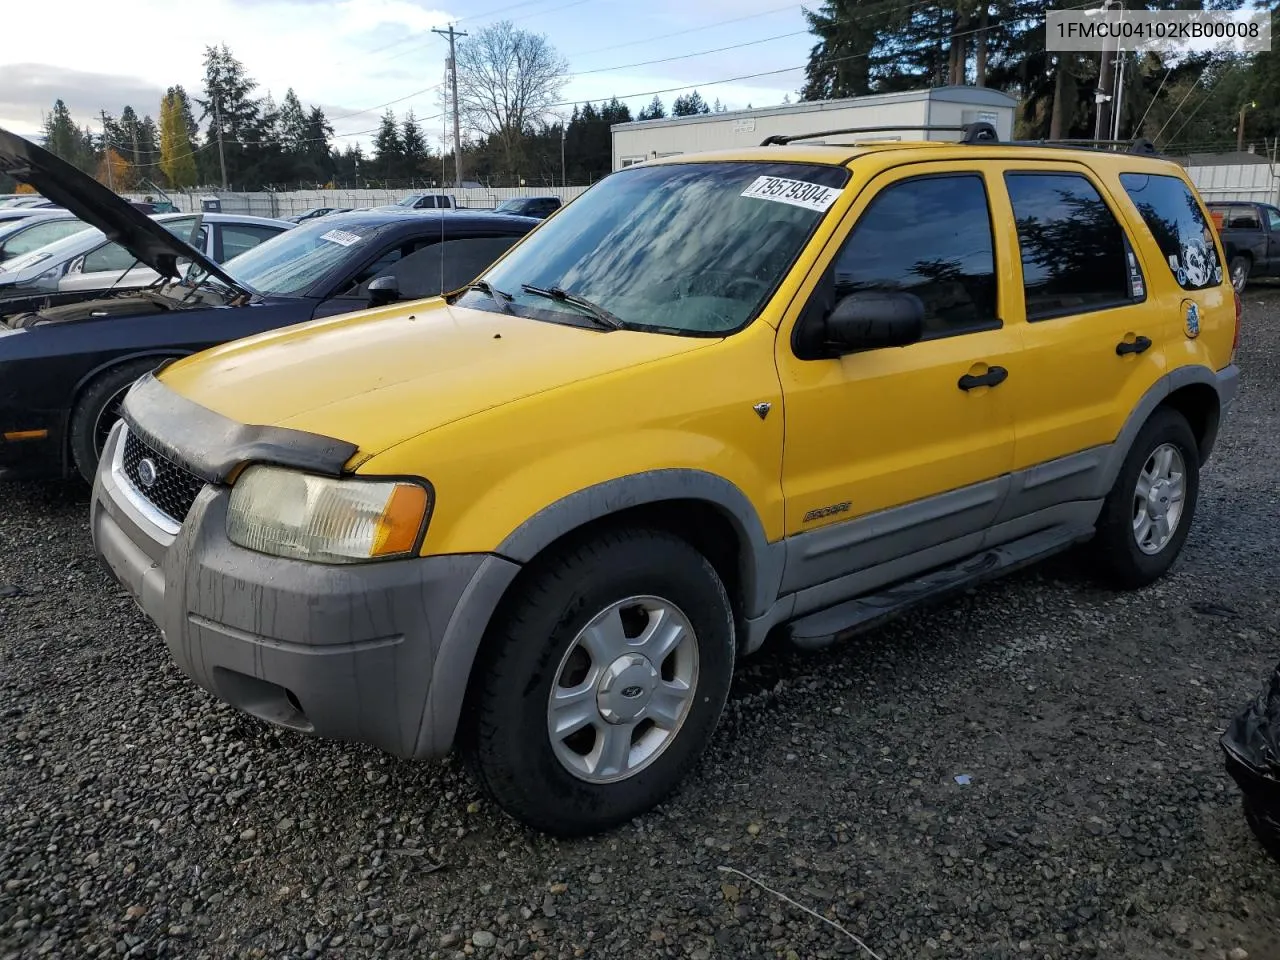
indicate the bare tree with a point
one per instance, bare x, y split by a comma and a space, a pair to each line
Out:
508, 80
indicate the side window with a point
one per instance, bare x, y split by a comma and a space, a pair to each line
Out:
33, 238
1244, 218
930, 236
1273, 218
238, 238
1173, 216
109, 256
447, 266
1075, 256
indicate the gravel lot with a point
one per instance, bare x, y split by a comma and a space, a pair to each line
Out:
139, 817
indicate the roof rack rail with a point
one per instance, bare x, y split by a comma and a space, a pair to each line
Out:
971, 133
1140, 145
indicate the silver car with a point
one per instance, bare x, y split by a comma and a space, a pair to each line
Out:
20, 237
87, 260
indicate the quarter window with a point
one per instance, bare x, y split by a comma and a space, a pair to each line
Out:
930, 236
1075, 256
1173, 216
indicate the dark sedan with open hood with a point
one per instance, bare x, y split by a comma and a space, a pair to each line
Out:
66, 360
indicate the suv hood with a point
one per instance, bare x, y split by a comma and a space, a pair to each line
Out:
97, 206
381, 377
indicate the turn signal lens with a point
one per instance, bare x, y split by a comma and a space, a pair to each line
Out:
290, 514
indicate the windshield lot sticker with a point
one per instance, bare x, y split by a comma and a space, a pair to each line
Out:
798, 193
341, 236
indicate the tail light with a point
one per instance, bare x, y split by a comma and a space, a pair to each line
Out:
1235, 341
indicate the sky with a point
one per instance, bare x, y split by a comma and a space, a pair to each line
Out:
352, 57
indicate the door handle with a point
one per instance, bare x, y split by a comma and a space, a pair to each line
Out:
1138, 345
992, 378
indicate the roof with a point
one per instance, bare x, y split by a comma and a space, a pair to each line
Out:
224, 218
977, 96
834, 154
392, 215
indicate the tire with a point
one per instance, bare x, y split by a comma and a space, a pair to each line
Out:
1265, 824
96, 410
1238, 270
1122, 562
547, 782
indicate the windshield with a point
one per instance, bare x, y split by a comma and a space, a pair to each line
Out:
59, 251
410, 200
506, 205
292, 262
688, 248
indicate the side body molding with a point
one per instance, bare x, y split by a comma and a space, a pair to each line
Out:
760, 563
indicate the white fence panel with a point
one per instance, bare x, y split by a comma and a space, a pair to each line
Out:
285, 204
1256, 182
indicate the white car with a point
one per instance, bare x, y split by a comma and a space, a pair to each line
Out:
87, 260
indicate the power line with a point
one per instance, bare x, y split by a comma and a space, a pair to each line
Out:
1207, 95
1191, 90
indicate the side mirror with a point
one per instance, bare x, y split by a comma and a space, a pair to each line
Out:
384, 290
871, 319
77, 265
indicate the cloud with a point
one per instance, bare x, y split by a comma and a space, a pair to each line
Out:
28, 89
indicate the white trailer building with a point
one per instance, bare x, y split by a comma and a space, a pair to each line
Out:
940, 106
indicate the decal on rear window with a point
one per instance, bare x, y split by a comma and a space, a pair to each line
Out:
341, 236
798, 193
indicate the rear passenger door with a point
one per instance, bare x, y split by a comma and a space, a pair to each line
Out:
1094, 341
1272, 217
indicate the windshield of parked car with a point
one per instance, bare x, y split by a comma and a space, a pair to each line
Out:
506, 206
294, 261
410, 200
688, 248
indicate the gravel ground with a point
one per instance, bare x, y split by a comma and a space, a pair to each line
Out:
139, 817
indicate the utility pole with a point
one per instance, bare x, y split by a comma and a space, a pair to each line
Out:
106, 154
564, 181
1106, 81
453, 82
1240, 126
222, 159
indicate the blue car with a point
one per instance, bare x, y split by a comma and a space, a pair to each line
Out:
67, 360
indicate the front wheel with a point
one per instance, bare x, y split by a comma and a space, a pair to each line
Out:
1147, 515
98, 408
604, 683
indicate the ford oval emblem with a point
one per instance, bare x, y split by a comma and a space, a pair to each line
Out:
632, 691
147, 472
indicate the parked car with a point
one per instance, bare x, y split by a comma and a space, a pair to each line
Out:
20, 237
65, 367
11, 214
88, 261
540, 207
317, 212
799, 386
24, 200
1251, 237
427, 201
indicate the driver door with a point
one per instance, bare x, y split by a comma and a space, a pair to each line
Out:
893, 451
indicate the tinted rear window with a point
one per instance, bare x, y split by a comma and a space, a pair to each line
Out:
1180, 229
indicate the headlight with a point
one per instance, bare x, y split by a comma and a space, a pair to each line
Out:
290, 514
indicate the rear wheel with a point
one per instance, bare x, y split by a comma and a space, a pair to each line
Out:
605, 681
1148, 513
98, 408
1239, 270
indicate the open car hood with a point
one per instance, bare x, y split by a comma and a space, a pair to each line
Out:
97, 206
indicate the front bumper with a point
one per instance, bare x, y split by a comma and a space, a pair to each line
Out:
377, 653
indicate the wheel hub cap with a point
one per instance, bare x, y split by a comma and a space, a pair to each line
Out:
625, 688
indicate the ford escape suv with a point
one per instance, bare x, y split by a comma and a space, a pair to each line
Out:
792, 389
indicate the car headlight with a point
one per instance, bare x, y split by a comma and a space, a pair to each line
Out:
290, 514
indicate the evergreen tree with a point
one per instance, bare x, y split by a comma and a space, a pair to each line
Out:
228, 98
689, 105
293, 124
62, 137
654, 111
388, 149
319, 162
413, 146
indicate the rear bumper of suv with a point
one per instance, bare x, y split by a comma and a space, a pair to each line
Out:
377, 653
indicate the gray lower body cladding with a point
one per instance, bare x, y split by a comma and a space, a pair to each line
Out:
377, 652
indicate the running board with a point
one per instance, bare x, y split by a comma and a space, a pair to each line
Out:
824, 627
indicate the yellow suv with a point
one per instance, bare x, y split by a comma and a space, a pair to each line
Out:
798, 386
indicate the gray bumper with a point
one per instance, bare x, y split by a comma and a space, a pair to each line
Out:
377, 653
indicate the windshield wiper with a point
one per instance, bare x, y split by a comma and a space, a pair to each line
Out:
597, 313
493, 293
